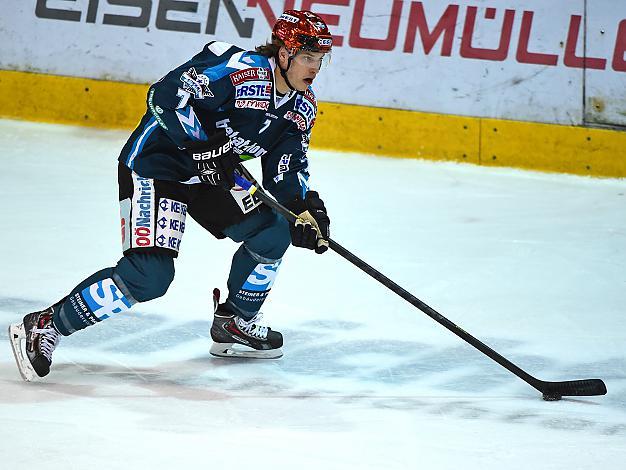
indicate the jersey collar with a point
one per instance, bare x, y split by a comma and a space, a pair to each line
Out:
278, 101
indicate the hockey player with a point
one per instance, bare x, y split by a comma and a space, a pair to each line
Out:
224, 106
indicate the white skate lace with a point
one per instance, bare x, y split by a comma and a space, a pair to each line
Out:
251, 326
48, 341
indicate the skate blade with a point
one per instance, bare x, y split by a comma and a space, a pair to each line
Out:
237, 351
17, 338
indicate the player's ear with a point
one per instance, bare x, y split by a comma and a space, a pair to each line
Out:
283, 57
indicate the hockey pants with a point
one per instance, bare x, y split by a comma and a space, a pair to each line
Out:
142, 276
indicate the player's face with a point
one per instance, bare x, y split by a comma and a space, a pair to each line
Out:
304, 69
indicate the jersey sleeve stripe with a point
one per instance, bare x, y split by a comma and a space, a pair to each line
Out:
140, 142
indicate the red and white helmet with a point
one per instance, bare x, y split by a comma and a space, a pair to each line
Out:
303, 30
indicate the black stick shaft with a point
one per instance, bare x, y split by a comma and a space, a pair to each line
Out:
406, 295
577, 387
431, 312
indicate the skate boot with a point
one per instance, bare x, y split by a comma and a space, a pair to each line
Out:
234, 336
40, 338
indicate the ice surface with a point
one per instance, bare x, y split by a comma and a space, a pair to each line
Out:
532, 264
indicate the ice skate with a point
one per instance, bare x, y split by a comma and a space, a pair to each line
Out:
233, 336
33, 342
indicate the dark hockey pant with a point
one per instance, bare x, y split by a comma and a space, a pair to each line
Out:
145, 274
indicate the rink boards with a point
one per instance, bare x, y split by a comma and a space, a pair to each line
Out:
345, 127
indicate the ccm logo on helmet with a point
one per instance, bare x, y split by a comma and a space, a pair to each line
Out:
325, 42
213, 153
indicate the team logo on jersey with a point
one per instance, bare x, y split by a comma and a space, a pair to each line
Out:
250, 74
254, 90
196, 84
253, 104
297, 119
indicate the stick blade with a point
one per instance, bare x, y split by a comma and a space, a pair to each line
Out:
573, 388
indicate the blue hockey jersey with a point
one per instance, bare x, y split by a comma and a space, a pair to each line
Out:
225, 87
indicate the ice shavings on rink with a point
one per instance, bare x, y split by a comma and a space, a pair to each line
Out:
532, 264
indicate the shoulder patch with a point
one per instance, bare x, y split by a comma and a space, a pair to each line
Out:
250, 74
231, 59
196, 84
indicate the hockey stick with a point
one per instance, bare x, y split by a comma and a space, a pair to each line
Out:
551, 390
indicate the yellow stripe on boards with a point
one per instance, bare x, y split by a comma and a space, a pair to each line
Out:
344, 127
397, 133
71, 100
548, 147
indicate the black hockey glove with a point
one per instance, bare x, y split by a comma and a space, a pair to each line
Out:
214, 159
312, 228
